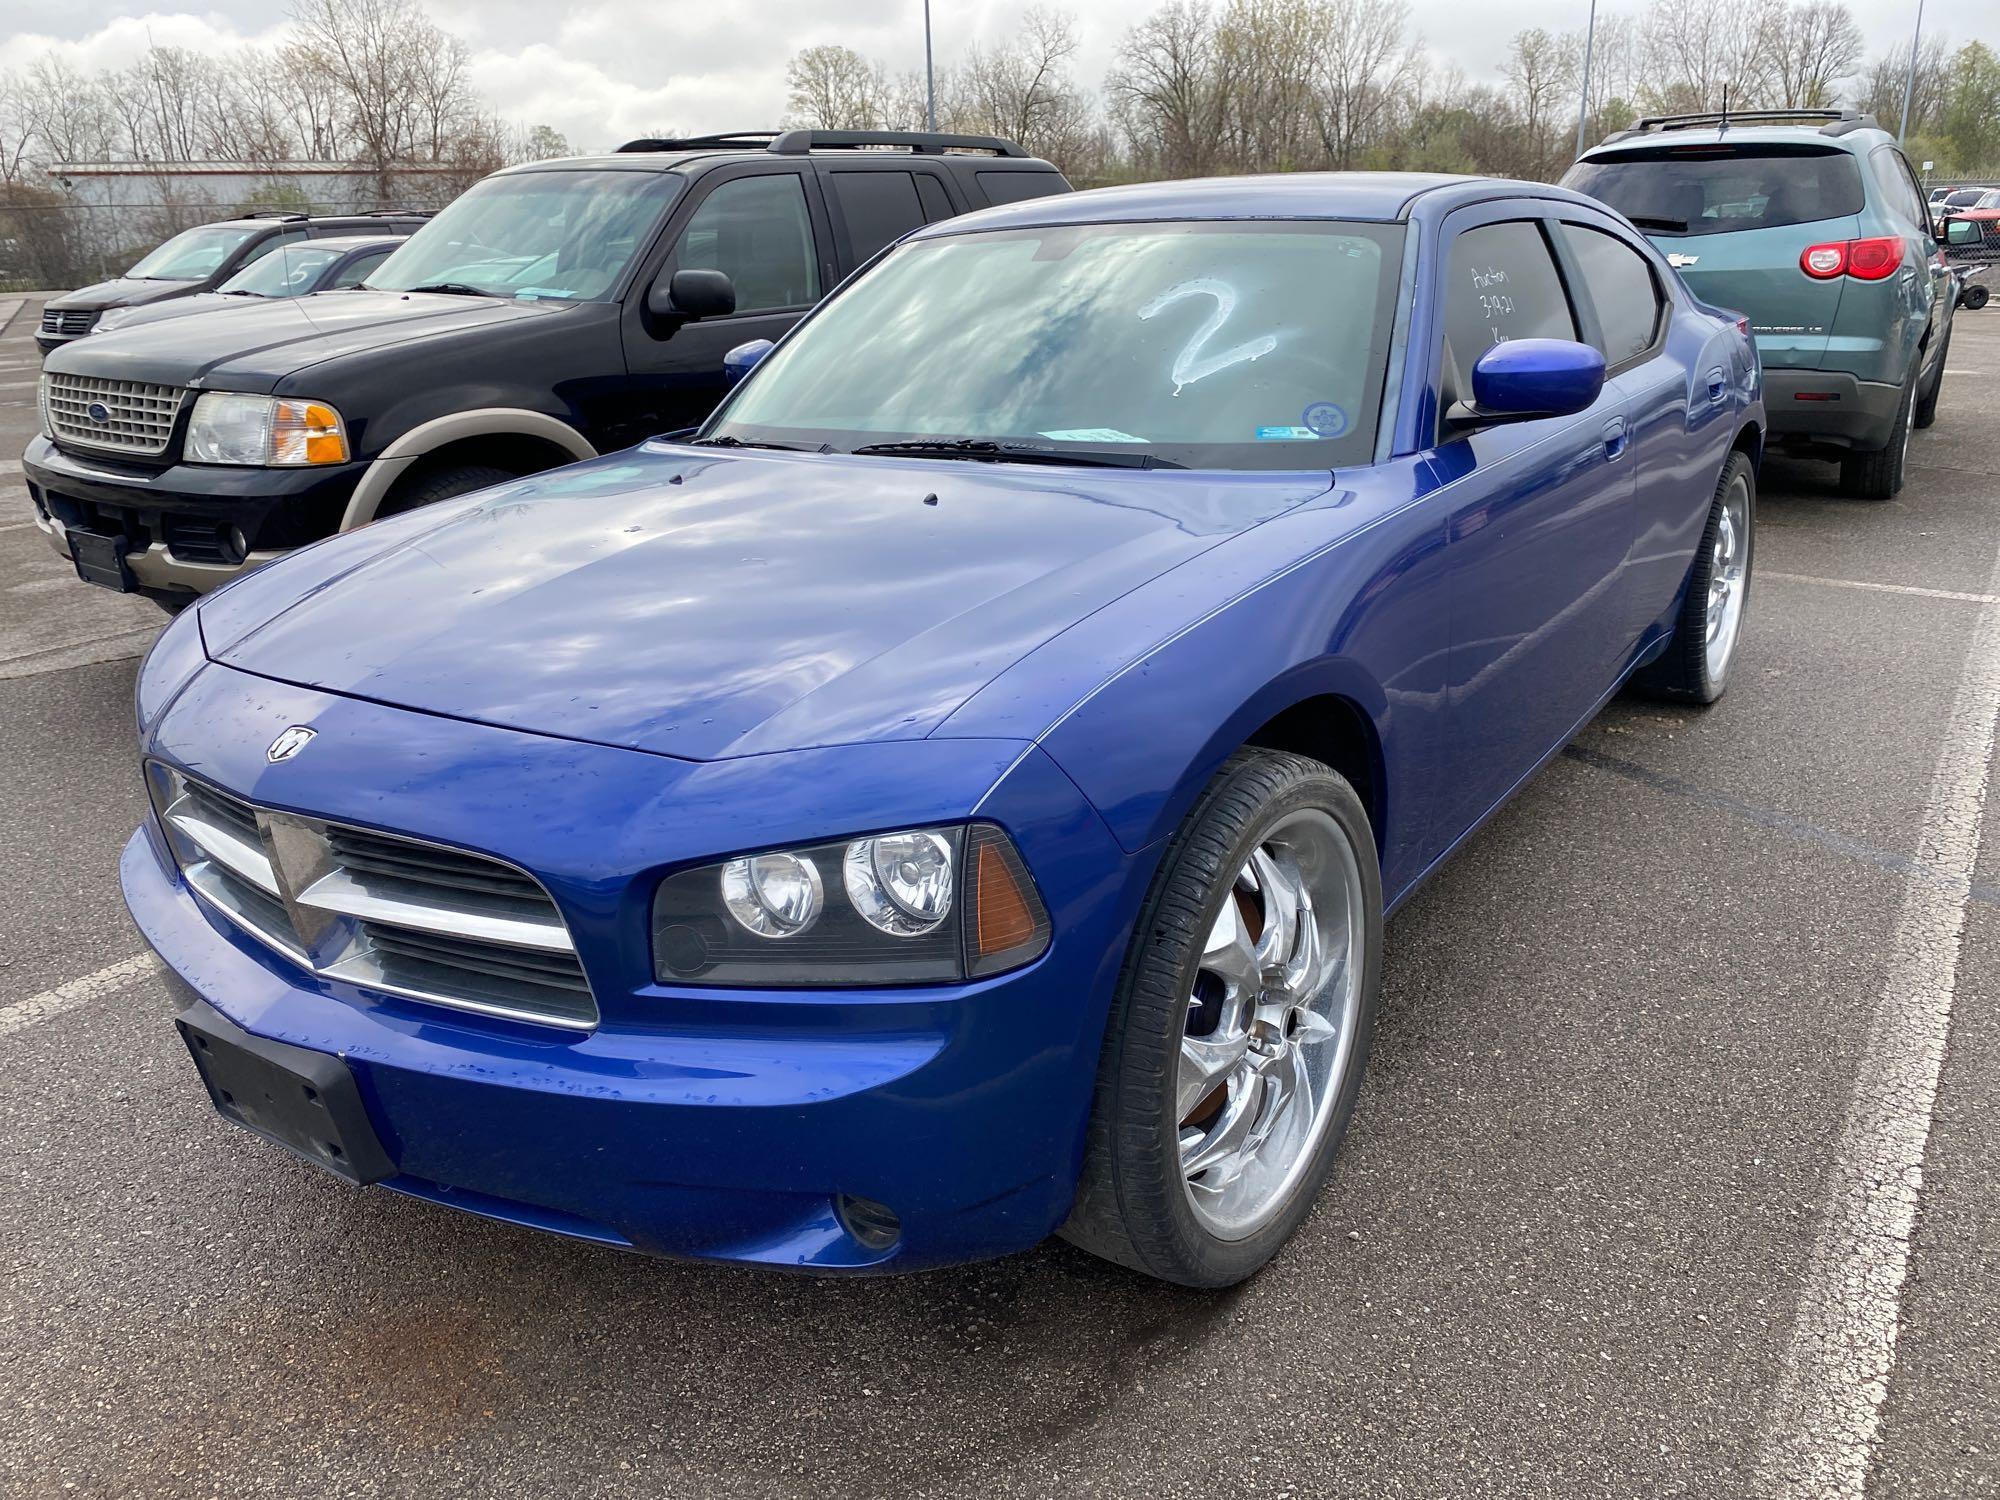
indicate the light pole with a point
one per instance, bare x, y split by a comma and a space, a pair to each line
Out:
1583, 105
1910, 83
930, 78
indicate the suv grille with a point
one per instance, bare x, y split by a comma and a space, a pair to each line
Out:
138, 418
68, 324
383, 912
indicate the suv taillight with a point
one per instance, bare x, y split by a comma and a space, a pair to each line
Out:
1865, 260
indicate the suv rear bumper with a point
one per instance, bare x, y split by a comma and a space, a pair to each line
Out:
1830, 408
160, 511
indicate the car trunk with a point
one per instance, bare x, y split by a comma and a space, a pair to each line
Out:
1756, 272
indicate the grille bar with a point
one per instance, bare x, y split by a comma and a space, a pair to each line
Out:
397, 915
138, 417
68, 321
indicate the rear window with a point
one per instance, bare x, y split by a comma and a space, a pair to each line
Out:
1014, 187
1715, 189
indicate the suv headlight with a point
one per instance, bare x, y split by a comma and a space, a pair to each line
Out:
271, 431
923, 905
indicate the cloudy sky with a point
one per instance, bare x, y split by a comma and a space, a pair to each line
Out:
601, 71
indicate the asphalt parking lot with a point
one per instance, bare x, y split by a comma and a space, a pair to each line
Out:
1677, 1169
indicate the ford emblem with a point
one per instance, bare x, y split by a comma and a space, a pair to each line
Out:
97, 411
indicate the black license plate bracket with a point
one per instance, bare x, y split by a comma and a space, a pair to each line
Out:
101, 560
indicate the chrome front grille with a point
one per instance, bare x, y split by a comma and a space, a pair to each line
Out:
383, 912
69, 322
135, 417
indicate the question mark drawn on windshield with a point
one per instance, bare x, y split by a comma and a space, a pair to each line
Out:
1189, 366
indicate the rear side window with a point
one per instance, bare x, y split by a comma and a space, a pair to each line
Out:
1501, 284
1016, 187
1622, 290
358, 269
937, 203
878, 207
1716, 189
1899, 191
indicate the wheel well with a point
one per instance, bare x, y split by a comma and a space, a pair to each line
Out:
516, 452
1750, 443
1335, 732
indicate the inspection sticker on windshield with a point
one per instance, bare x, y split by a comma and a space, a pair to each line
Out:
1092, 435
1326, 419
1286, 435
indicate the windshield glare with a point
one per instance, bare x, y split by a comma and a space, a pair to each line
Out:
288, 271
194, 254
530, 235
1239, 345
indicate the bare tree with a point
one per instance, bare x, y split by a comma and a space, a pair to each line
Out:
831, 87
1170, 92
1366, 60
1811, 47
1543, 69
69, 115
1022, 90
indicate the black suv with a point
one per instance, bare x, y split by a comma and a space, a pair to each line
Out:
200, 260
552, 312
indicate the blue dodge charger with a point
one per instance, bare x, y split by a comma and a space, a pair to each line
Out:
955, 796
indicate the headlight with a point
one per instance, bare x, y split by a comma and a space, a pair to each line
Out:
273, 431
924, 905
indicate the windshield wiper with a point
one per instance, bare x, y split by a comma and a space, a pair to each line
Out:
240, 292
451, 288
737, 442
985, 450
1647, 221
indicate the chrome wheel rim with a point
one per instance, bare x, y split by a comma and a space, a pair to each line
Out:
1728, 578
1271, 1022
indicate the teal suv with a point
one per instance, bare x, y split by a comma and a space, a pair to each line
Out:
1812, 224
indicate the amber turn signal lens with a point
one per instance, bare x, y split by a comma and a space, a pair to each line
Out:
1008, 923
307, 432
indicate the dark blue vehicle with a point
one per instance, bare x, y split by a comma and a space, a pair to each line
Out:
955, 797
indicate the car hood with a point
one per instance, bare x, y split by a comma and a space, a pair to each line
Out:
123, 291
699, 604
180, 307
255, 349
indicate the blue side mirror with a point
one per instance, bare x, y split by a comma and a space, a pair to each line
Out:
1535, 378
744, 358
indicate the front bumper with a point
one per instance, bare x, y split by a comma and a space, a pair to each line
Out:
1830, 408
720, 1124
173, 519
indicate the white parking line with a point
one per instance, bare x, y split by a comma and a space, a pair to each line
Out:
1820, 1438
65, 997
1880, 588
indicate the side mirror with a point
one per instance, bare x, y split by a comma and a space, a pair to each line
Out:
744, 358
1525, 378
692, 294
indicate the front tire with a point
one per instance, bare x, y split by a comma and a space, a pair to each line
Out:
1695, 666
446, 483
1240, 1029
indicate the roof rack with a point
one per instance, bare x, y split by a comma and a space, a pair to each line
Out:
1831, 121
274, 213
799, 142
758, 140
391, 213
922, 142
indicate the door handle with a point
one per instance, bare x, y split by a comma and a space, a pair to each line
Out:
1717, 385
1614, 437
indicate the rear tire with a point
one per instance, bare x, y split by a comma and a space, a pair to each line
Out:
1208, 1057
1927, 403
1695, 666
442, 484
1879, 475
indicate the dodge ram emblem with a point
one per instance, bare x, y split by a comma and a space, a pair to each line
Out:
288, 744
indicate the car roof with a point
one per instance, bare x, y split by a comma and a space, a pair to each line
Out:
1369, 197
1855, 137
345, 242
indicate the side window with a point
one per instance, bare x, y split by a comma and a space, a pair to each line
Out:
1898, 190
358, 270
1621, 288
937, 202
1016, 187
878, 207
1500, 284
259, 251
757, 231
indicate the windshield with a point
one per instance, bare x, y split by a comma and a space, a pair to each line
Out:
1241, 345
288, 271
528, 235
195, 254
1716, 189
